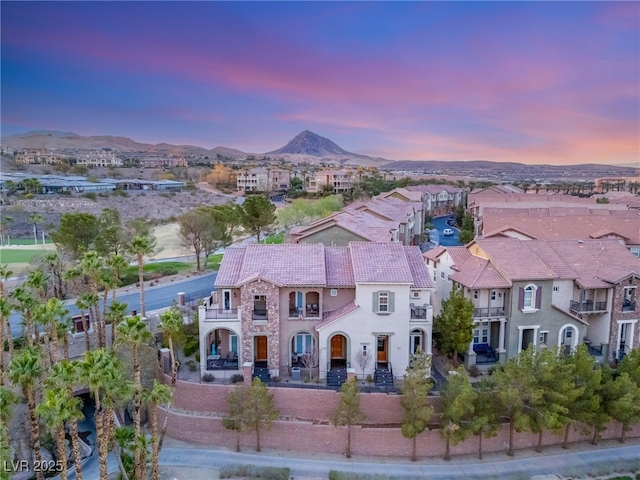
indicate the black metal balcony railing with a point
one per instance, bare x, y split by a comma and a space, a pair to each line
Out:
628, 306
488, 312
587, 306
418, 313
259, 314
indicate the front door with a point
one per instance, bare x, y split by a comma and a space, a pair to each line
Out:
383, 341
261, 349
415, 341
337, 347
226, 300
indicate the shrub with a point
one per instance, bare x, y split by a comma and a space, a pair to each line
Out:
237, 378
208, 377
91, 196
253, 471
190, 346
29, 195
369, 378
198, 356
474, 371
120, 193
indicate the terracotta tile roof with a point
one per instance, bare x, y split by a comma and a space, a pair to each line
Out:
230, 267
411, 195
339, 267
362, 224
419, 271
434, 189
434, 253
513, 261
562, 224
477, 272
459, 255
380, 263
332, 316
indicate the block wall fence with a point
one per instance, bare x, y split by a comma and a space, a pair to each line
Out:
304, 425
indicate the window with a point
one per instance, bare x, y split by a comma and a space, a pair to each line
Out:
441, 274
383, 302
556, 289
529, 300
635, 251
480, 335
334, 292
401, 228
475, 294
543, 337
493, 294
415, 294
303, 343
528, 297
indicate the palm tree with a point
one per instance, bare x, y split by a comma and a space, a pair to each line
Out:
114, 316
133, 331
108, 283
56, 410
53, 265
100, 371
5, 273
25, 370
141, 246
54, 313
83, 304
7, 399
92, 265
35, 218
171, 324
65, 375
160, 393
5, 312
117, 263
26, 305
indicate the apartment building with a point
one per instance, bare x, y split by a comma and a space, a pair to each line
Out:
439, 199
545, 293
288, 306
98, 158
263, 180
42, 157
340, 180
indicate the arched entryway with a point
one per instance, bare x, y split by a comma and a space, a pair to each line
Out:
568, 338
222, 349
417, 340
338, 347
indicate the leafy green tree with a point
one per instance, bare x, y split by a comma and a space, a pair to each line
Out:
584, 409
458, 399
234, 420
76, 233
257, 213
453, 328
134, 332
625, 405
460, 211
259, 410
631, 364
415, 389
486, 418
159, 394
467, 232
605, 398
201, 231
111, 240
518, 392
141, 247
25, 370
349, 412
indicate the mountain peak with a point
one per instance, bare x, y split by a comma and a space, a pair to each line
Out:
309, 143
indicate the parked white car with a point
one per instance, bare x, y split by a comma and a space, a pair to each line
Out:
447, 231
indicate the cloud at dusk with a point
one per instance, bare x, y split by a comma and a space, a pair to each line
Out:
532, 82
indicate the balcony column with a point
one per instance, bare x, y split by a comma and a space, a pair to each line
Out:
501, 348
471, 356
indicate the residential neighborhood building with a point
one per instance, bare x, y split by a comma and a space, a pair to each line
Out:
281, 307
564, 223
162, 162
545, 293
43, 157
340, 180
439, 199
389, 217
263, 180
98, 158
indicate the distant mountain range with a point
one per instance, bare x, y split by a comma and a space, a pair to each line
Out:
313, 148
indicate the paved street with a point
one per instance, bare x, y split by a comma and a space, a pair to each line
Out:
588, 461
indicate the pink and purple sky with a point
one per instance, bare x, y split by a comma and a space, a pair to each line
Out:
531, 82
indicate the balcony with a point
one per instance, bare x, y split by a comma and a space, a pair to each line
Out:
217, 313
628, 306
488, 312
418, 313
588, 306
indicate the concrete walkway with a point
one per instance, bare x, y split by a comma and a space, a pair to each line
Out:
585, 461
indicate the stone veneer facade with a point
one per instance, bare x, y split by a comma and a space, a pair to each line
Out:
270, 328
617, 315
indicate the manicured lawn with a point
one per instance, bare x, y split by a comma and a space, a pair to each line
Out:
159, 267
214, 261
277, 238
23, 255
28, 241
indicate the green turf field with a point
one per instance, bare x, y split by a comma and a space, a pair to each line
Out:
23, 255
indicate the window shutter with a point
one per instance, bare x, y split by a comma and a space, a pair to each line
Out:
538, 297
392, 296
375, 301
521, 299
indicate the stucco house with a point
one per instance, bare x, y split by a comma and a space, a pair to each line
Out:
278, 307
439, 199
545, 293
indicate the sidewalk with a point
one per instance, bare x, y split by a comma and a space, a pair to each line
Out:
581, 461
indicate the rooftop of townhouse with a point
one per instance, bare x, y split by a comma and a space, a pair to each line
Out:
434, 189
530, 200
362, 224
390, 208
296, 265
564, 223
498, 262
410, 195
